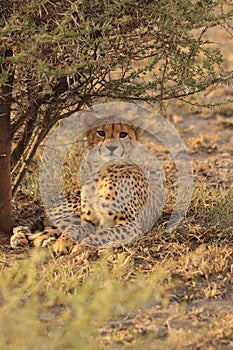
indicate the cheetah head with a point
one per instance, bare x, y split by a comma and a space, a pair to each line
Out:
113, 140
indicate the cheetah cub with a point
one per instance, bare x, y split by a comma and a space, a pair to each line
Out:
121, 195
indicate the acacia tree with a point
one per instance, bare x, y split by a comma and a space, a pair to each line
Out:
59, 56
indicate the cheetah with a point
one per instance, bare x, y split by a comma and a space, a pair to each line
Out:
120, 198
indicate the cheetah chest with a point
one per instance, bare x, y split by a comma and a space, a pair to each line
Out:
114, 195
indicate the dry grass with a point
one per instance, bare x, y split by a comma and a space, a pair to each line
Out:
162, 292
166, 291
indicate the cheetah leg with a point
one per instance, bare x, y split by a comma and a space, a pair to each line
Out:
63, 242
71, 237
112, 237
60, 240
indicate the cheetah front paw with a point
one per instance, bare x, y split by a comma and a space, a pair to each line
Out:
19, 237
63, 245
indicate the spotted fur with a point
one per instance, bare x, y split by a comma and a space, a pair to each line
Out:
118, 201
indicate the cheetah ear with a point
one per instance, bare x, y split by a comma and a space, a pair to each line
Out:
136, 123
138, 131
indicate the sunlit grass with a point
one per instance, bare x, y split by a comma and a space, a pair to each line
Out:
47, 305
136, 296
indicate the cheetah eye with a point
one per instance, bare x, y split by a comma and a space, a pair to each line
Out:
123, 134
101, 133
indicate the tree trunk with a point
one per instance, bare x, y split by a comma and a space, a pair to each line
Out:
6, 215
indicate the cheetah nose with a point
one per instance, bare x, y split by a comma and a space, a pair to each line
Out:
112, 148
